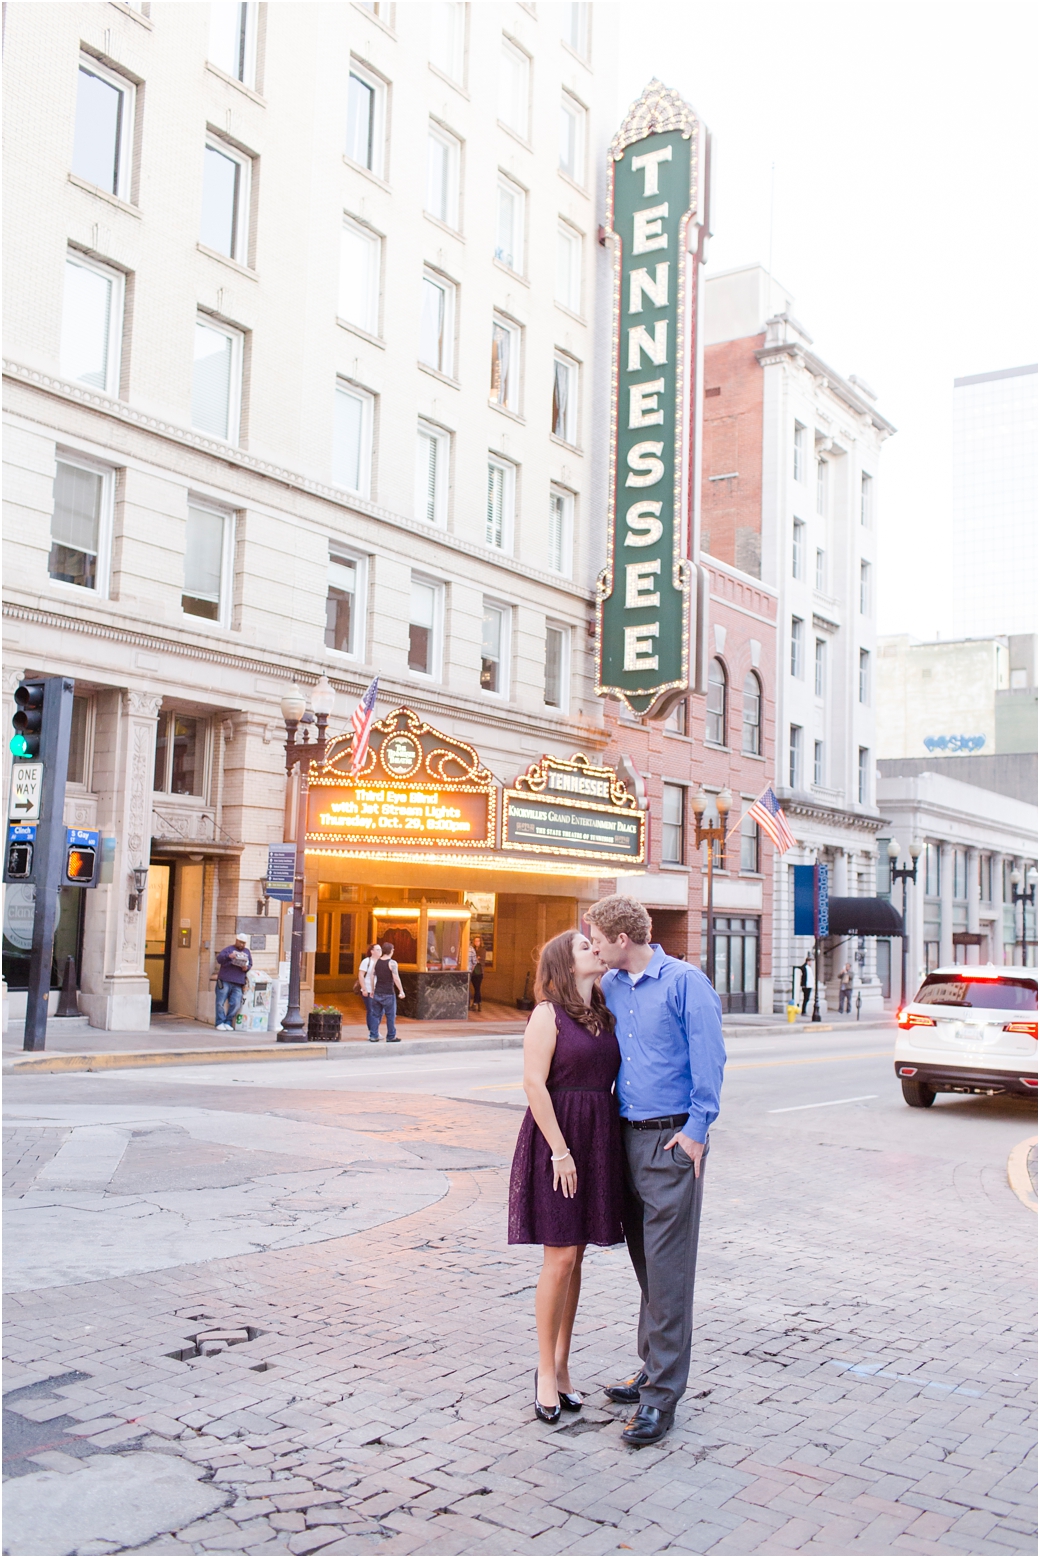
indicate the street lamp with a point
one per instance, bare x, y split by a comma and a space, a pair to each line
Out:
904, 874
711, 836
1028, 895
301, 750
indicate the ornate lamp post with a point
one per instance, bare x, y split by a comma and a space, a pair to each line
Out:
304, 751
1027, 895
711, 836
904, 874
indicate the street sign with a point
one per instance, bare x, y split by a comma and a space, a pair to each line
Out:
26, 789
281, 872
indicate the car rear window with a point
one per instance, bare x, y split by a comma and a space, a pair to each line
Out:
1012, 995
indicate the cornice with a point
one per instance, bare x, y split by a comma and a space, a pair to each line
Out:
775, 354
797, 806
242, 460
298, 670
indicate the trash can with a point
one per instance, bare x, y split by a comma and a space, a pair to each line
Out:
792, 1011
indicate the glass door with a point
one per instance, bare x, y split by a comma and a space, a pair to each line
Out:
158, 921
334, 954
736, 963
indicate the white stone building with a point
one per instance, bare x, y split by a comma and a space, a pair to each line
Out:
298, 323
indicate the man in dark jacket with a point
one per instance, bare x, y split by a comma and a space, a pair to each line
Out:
233, 964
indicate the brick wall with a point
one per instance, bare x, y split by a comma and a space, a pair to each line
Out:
731, 498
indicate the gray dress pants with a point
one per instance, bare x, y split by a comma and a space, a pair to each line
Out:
662, 1221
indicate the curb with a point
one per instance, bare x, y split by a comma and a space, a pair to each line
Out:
1018, 1173
352, 1049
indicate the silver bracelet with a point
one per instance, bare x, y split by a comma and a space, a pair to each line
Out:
558, 1157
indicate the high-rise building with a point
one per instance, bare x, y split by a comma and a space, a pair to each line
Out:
994, 503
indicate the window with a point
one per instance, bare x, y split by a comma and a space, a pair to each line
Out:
561, 530
794, 757
749, 844
986, 878
207, 553
576, 28
360, 253
866, 495
514, 88
216, 382
673, 816
447, 37
798, 470
818, 768
343, 606
864, 676
960, 873
498, 530
442, 176
80, 734
509, 228
104, 128
557, 644
180, 744
352, 440
437, 324
931, 870
432, 449
796, 646
505, 363
820, 668
715, 711
232, 40
572, 138
821, 486
423, 627
568, 268
225, 201
677, 722
821, 570
864, 588
78, 525
863, 777
798, 549
752, 733
366, 96
91, 324
494, 649
565, 400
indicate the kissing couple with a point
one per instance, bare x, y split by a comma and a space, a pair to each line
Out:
623, 1063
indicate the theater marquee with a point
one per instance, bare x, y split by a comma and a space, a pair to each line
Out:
655, 217
573, 809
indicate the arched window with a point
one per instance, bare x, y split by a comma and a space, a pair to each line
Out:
752, 715
715, 719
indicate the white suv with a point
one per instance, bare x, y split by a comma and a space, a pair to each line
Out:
968, 1030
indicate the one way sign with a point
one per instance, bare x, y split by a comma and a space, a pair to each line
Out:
26, 787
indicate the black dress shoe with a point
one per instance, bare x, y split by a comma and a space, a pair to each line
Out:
570, 1403
544, 1414
648, 1425
628, 1393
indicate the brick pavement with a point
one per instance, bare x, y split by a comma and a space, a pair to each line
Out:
862, 1370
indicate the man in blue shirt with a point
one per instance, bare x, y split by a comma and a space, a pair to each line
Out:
669, 1026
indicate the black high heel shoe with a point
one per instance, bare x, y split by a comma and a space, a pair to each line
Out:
544, 1414
570, 1403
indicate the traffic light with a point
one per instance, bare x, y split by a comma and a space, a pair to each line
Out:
82, 863
28, 720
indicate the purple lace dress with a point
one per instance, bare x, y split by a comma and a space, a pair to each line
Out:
583, 1071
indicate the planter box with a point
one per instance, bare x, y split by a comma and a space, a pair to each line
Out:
324, 1027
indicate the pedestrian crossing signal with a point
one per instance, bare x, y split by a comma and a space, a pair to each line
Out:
82, 862
18, 865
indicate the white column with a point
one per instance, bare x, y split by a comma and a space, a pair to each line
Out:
972, 953
945, 905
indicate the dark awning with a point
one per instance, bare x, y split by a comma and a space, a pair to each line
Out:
863, 917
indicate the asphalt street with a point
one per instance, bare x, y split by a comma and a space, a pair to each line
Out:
862, 1351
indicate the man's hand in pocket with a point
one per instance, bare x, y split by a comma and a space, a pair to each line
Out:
693, 1149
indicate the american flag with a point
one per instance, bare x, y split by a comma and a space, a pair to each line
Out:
361, 723
769, 815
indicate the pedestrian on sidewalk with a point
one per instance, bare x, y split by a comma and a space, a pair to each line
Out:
476, 969
565, 1188
806, 982
384, 986
845, 990
361, 983
233, 965
669, 1025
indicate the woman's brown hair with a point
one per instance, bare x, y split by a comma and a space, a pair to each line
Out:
555, 982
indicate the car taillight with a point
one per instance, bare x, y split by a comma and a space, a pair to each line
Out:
1028, 1081
914, 1020
1021, 1027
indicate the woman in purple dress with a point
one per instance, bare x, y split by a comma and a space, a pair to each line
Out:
565, 1189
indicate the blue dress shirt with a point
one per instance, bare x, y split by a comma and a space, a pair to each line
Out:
669, 1026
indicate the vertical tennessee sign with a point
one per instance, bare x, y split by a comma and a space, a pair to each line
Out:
643, 594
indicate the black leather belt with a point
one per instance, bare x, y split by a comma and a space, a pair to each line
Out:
667, 1122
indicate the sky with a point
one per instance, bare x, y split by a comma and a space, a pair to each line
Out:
899, 137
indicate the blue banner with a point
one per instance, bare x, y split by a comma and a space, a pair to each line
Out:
811, 900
